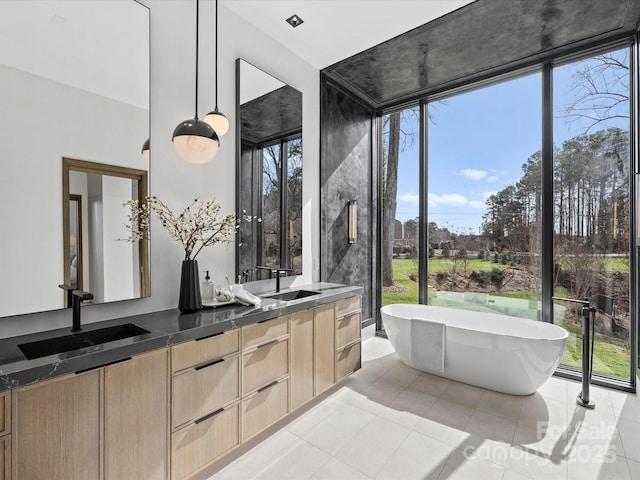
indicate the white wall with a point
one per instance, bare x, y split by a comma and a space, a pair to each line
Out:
178, 183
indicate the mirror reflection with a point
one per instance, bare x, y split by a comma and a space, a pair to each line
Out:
71, 86
269, 173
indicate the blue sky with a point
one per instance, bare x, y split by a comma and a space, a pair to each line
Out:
477, 144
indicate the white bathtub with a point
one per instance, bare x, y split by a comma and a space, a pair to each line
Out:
502, 353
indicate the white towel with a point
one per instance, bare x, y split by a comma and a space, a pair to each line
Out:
427, 343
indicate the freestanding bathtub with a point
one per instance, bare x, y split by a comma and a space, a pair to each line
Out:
498, 352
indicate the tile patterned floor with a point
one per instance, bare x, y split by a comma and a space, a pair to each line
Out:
390, 422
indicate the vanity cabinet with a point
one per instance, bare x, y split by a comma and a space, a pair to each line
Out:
205, 395
348, 336
324, 351
109, 422
57, 428
5, 435
265, 374
136, 417
301, 361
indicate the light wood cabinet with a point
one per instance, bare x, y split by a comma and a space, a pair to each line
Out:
301, 358
203, 389
264, 364
5, 413
57, 428
199, 352
264, 407
201, 442
324, 352
263, 332
5, 457
348, 336
205, 394
136, 416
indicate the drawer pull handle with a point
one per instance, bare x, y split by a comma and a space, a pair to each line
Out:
207, 417
268, 344
351, 345
210, 364
267, 387
209, 336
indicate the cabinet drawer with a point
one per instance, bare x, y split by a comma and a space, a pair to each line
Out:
198, 444
204, 389
198, 352
5, 413
348, 306
5, 457
347, 329
348, 361
265, 364
259, 333
265, 407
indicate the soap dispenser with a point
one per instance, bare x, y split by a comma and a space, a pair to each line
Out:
206, 288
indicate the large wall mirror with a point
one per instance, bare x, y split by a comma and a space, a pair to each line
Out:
269, 173
74, 84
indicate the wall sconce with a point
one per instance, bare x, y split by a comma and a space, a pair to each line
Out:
353, 221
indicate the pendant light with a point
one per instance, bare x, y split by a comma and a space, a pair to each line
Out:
195, 140
146, 150
216, 118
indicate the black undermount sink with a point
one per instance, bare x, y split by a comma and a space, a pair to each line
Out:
75, 341
293, 295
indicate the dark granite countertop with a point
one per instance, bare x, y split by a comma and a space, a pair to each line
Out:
166, 328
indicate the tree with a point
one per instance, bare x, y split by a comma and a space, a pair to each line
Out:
601, 89
397, 139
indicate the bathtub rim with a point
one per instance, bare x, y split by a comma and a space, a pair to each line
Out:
488, 332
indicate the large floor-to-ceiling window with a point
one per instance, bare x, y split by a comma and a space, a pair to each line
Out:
486, 159
591, 190
483, 198
400, 205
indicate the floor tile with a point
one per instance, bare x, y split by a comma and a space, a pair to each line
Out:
634, 469
537, 465
402, 375
461, 466
373, 446
501, 405
418, 458
311, 418
335, 430
463, 394
251, 463
450, 414
555, 388
630, 436
431, 384
594, 468
299, 462
383, 391
336, 470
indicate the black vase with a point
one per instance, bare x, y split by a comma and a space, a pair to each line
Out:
190, 300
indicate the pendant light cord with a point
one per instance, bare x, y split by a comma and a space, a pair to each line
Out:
197, 38
216, 56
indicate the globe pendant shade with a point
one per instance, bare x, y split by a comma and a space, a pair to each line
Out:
218, 121
146, 150
195, 141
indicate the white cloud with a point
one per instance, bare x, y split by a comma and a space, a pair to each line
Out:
493, 178
486, 195
477, 204
449, 199
473, 174
410, 197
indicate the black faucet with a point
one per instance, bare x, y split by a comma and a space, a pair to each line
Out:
78, 297
277, 271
